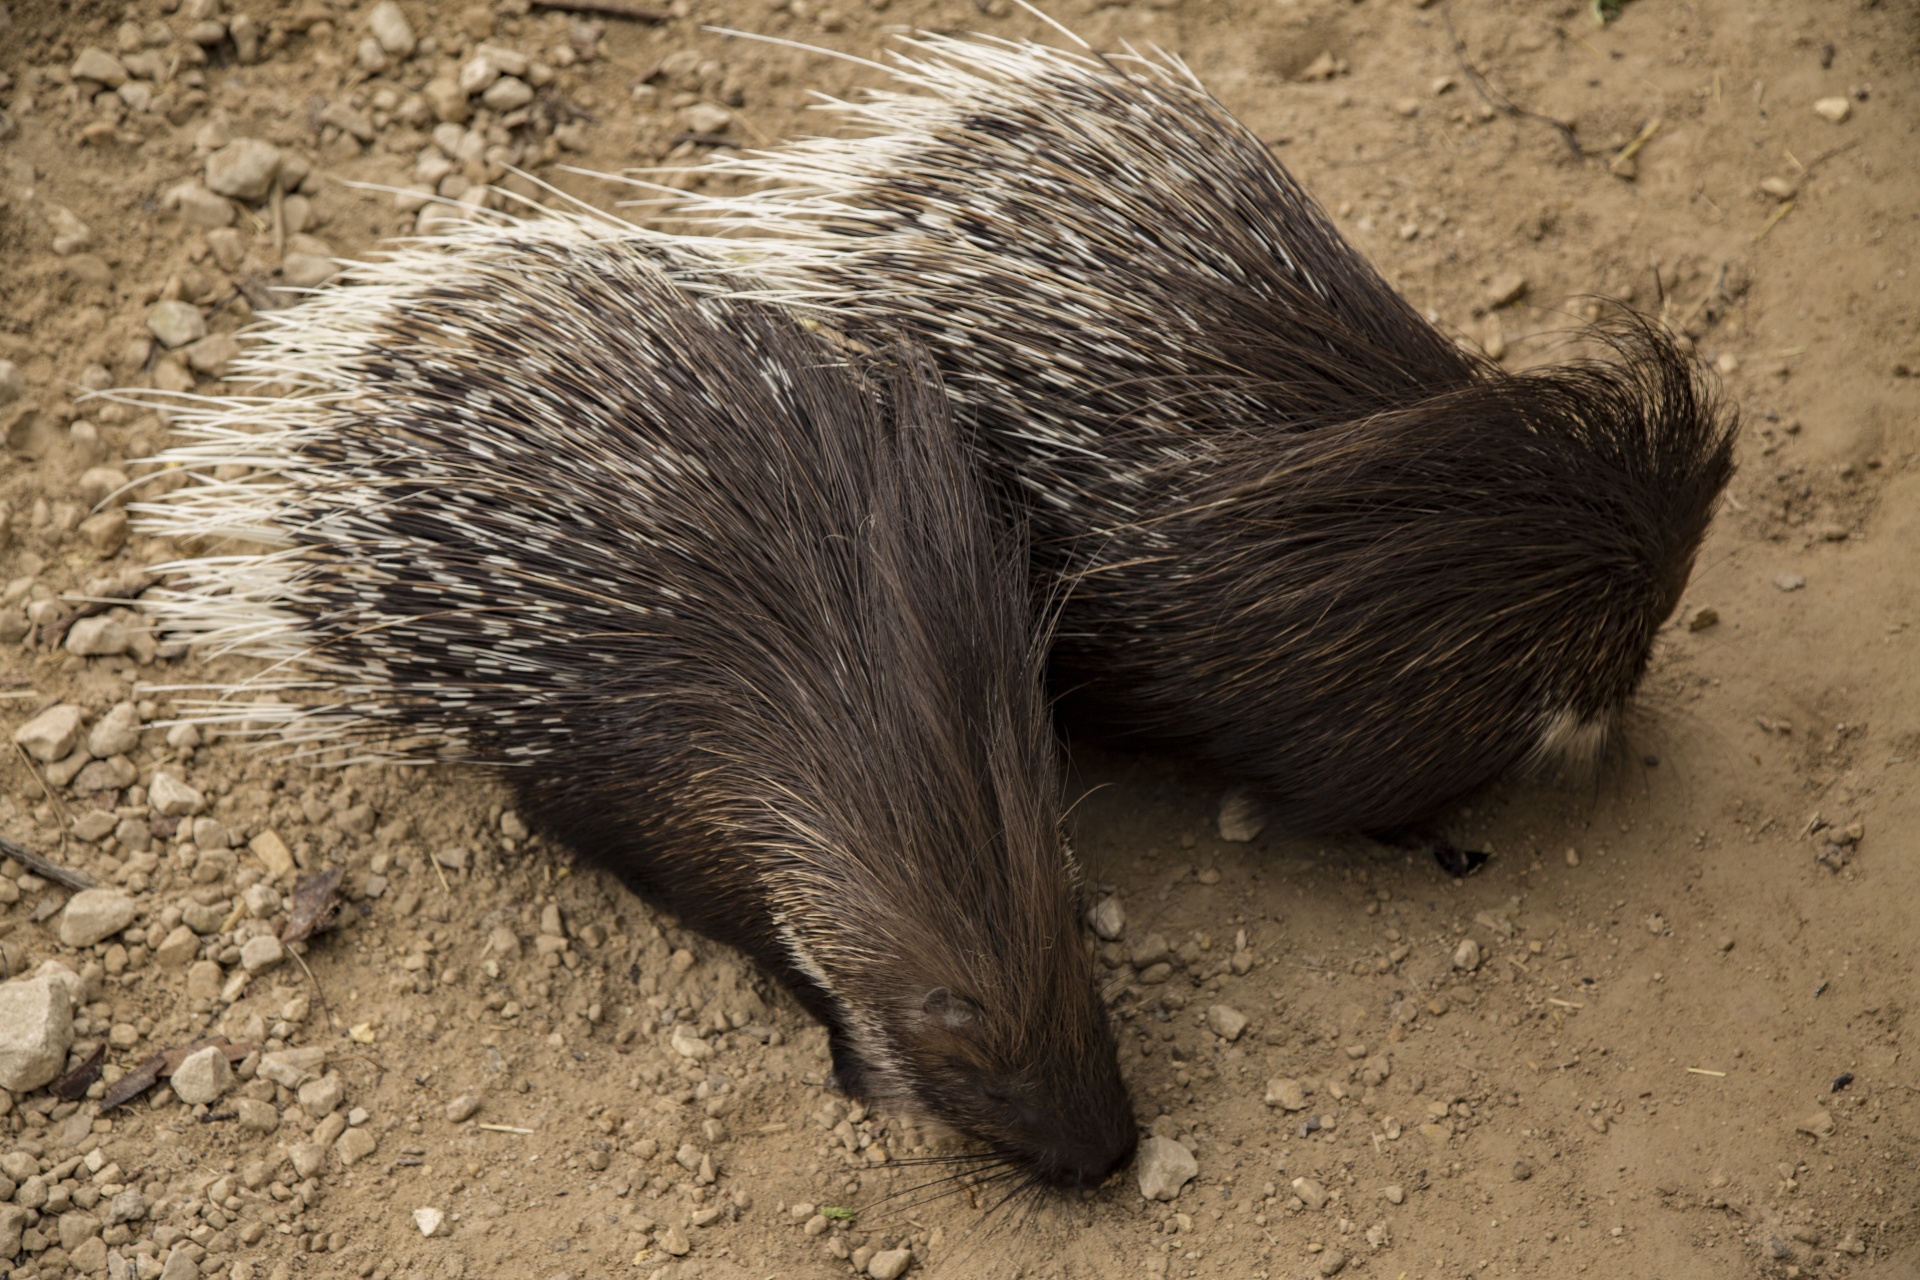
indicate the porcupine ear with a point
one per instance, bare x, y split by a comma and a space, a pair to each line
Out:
951, 1011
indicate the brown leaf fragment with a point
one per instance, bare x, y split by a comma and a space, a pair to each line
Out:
74, 1085
315, 899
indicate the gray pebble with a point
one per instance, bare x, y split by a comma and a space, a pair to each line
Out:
389, 25
244, 169
1163, 1168
177, 323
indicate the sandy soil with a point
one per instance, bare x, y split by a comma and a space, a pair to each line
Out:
1678, 1044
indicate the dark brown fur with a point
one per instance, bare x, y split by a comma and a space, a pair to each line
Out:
734, 616
1307, 537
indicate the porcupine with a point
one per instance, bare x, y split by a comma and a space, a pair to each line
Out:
728, 607
1310, 539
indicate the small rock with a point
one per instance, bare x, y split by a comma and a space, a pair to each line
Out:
128, 1206
204, 980
1108, 918
1505, 290
508, 93
116, 732
1311, 1193
705, 117
100, 67
1467, 955
36, 1030
322, 1097
205, 917
463, 1108
62, 772
432, 1222
93, 915
889, 1264
104, 775
101, 636
177, 323
76, 1228
1818, 1125
307, 1158
293, 1067
477, 73
1286, 1093
257, 955
1324, 67
1522, 1171
390, 27
244, 169
1241, 817
1149, 951
173, 798
355, 1145
1227, 1022
211, 356
305, 270
1703, 618
674, 1241
1789, 581
1834, 110
1394, 1193
272, 852
256, 1116
203, 1077
688, 1044
179, 947
1332, 1263
1164, 1167
1780, 188
70, 235
198, 207
447, 100
52, 734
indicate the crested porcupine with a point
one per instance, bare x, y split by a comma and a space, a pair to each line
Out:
1308, 537
728, 608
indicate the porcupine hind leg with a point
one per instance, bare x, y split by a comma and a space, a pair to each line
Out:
1455, 861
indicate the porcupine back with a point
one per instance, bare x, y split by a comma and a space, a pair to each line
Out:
1309, 538
728, 610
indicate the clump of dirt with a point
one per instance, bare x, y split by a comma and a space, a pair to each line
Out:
1662, 1032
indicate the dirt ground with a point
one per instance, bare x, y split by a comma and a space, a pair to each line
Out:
1677, 1045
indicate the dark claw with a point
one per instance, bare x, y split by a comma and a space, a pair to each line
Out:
1457, 862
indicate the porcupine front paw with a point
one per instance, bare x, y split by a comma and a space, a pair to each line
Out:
1455, 861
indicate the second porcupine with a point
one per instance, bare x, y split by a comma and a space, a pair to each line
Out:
730, 613
1309, 538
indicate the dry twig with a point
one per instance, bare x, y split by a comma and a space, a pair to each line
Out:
1499, 101
42, 867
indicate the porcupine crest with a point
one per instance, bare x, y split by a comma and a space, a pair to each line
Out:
730, 611
1309, 537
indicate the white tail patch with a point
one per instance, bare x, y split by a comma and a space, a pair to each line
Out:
1569, 739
